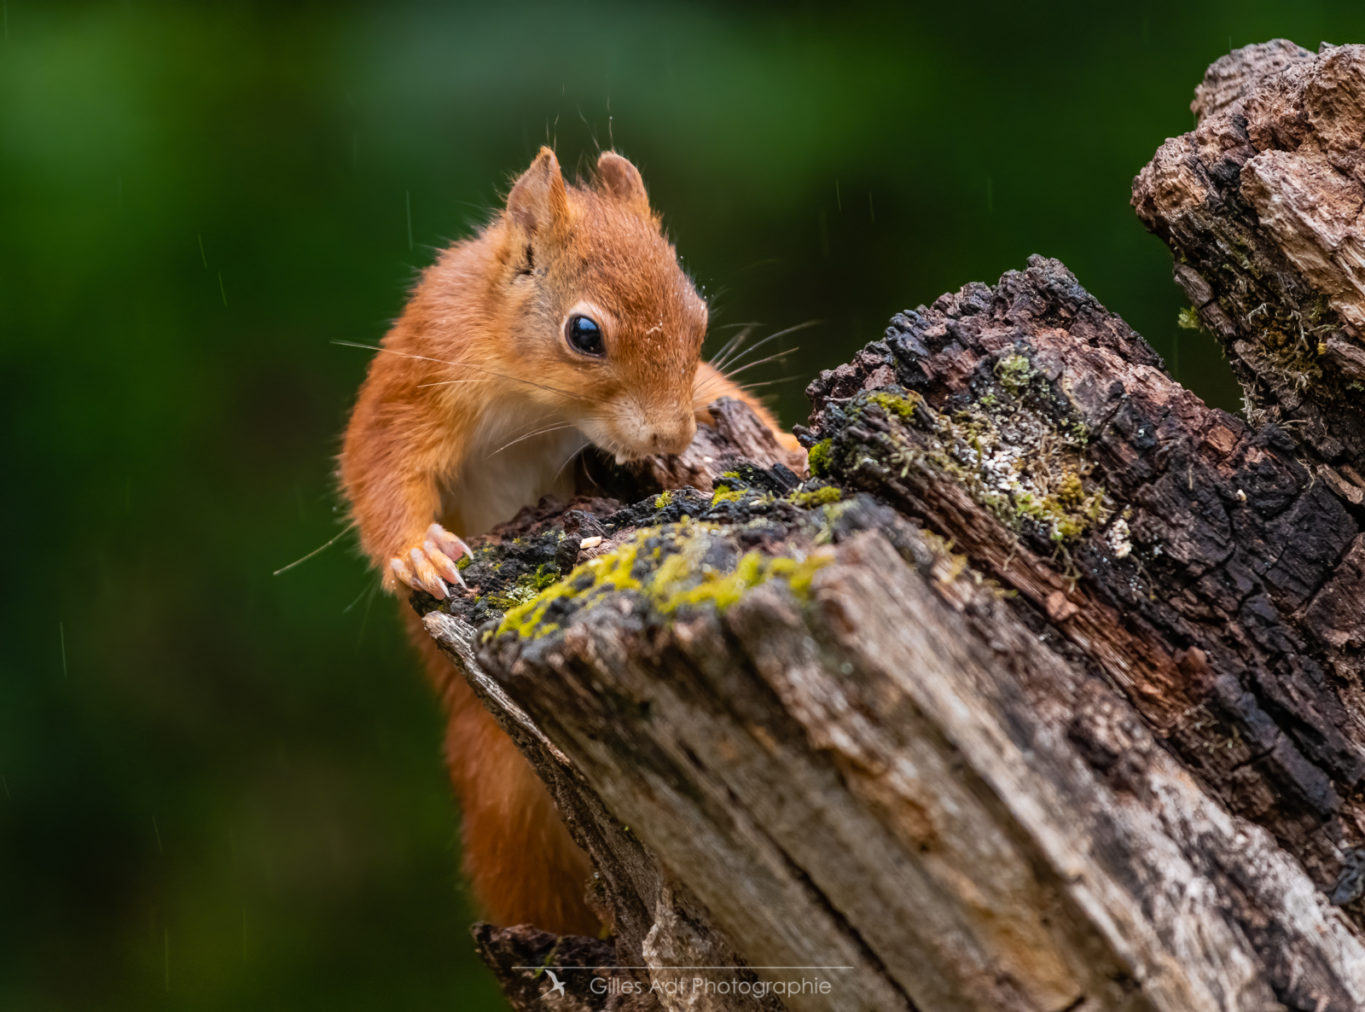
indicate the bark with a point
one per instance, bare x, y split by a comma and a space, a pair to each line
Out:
1042, 692
1261, 204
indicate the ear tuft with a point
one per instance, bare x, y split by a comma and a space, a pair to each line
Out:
538, 202
622, 180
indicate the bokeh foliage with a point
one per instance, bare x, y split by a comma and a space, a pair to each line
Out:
221, 789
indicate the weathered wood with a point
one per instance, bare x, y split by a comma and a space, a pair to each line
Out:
1045, 692
1182, 553
1261, 204
940, 816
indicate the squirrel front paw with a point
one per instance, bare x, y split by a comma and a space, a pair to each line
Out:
429, 566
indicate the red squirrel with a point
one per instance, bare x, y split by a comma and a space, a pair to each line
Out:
565, 322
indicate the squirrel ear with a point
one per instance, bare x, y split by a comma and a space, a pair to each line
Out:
622, 180
538, 202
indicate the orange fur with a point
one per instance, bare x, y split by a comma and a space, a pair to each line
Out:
472, 409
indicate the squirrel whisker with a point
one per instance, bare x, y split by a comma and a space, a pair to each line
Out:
723, 378
762, 361
568, 460
732, 345
531, 435
769, 383
316, 551
371, 589
736, 359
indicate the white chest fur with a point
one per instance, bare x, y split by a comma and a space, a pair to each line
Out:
508, 469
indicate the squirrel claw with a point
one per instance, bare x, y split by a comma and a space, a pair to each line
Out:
440, 562
425, 570
400, 573
448, 543
423, 577
444, 549
430, 567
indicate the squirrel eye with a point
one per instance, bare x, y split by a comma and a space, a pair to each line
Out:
584, 335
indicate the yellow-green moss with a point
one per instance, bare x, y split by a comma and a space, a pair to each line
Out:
526, 587
1288, 348
679, 580
1017, 452
1014, 373
612, 570
1188, 319
1064, 519
818, 458
1071, 490
799, 573
822, 496
723, 590
724, 493
663, 499
902, 406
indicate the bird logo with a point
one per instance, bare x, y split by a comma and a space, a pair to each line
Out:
557, 987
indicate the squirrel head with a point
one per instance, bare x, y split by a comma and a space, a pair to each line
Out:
602, 315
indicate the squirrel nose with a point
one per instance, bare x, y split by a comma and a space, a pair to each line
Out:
675, 438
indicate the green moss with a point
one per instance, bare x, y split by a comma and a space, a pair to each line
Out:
1063, 521
799, 573
1017, 450
663, 499
524, 619
526, 587
1188, 319
546, 575
819, 458
1014, 372
1027, 466
614, 570
1287, 349
665, 564
1071, 490
724, 493
723, 590
671, 569
822, 496
902, 406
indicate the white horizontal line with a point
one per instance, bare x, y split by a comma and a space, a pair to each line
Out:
556, 966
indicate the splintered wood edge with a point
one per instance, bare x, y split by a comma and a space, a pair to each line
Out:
456, 638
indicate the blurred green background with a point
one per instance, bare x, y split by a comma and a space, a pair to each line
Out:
221, 789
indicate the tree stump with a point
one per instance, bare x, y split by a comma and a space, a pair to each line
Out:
1043, 691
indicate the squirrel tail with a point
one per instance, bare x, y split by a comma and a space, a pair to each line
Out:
523, 866
711, 384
